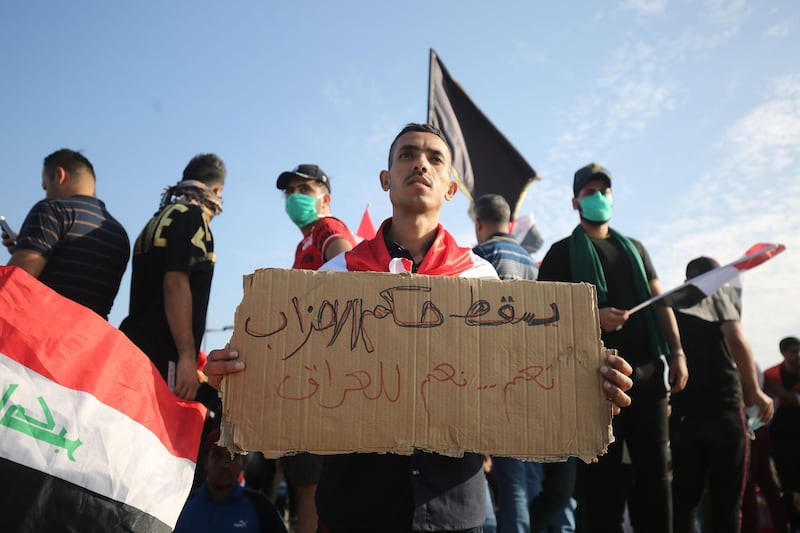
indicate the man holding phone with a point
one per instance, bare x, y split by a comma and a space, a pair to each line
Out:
69, 241
8, 233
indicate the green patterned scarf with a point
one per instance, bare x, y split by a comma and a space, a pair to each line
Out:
586, 266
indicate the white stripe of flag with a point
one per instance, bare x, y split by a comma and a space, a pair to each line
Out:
89, 444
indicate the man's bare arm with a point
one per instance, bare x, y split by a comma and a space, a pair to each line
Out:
30, 261
178, 308
745, 363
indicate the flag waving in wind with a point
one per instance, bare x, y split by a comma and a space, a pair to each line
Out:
483, 160
693, 290
366, 228
91, 438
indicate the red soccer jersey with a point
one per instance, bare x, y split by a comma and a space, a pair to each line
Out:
774, 375
310, 253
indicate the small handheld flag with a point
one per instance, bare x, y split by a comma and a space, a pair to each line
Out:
698, 287
366, 228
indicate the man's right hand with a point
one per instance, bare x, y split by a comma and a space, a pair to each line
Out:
220, 364
8, 242
612, 319
186, 382
766, 407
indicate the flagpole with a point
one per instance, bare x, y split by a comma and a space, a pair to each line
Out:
430, 85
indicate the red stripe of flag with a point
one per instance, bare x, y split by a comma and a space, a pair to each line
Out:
764, 251
38, 330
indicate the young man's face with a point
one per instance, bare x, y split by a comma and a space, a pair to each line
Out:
592, 187
298, 185
791, 356
304, 186
223, 469
419, 179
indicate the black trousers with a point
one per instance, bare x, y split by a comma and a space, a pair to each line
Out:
603, 488
708, 451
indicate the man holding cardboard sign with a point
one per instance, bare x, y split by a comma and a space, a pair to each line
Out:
422, 491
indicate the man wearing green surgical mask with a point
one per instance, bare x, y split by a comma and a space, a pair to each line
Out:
621, 270
307, 190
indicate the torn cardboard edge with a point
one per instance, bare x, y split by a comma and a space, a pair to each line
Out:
373, 362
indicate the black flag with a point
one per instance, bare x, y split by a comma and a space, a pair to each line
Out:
483, 160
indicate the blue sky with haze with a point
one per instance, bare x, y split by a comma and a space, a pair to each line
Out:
693, 106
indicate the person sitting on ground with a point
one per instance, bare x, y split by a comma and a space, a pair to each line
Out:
222, 504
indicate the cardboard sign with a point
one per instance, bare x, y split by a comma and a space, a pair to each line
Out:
368, 362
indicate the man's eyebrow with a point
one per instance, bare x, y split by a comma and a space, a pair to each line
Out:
415, 148
436, 152
407, 147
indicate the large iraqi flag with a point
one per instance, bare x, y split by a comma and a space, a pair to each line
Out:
91, 438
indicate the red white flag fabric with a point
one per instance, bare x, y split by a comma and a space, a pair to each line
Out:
91, 438
444, 258
524, 230
695, 289
366, 228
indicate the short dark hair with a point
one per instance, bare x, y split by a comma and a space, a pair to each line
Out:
492, 208
700, 265
422, 128
787, 342
206, 168
69, 160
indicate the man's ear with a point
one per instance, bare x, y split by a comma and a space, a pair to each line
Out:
60, 175
384, 176
217, 189
575, 204
325, 201
452, 189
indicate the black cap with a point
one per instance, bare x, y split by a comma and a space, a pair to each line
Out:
700, 265
588, 173
309, 172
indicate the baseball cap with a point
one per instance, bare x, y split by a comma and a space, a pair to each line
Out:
305, 171
588, 173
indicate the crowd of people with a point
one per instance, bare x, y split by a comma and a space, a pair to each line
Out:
681, 459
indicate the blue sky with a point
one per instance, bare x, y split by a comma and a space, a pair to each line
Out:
693, 106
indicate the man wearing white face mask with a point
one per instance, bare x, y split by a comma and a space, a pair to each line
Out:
308, 203
621, 270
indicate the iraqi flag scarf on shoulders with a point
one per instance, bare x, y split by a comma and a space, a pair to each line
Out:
444, 258
91, 438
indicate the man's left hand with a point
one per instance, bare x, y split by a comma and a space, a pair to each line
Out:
617, 381
678, 372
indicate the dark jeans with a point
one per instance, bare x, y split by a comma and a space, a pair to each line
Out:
323, 529
558, 485
786, 454
712, 451
760, 475
603, 487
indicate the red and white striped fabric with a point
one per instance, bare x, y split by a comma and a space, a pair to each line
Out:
444, 258
91, 438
